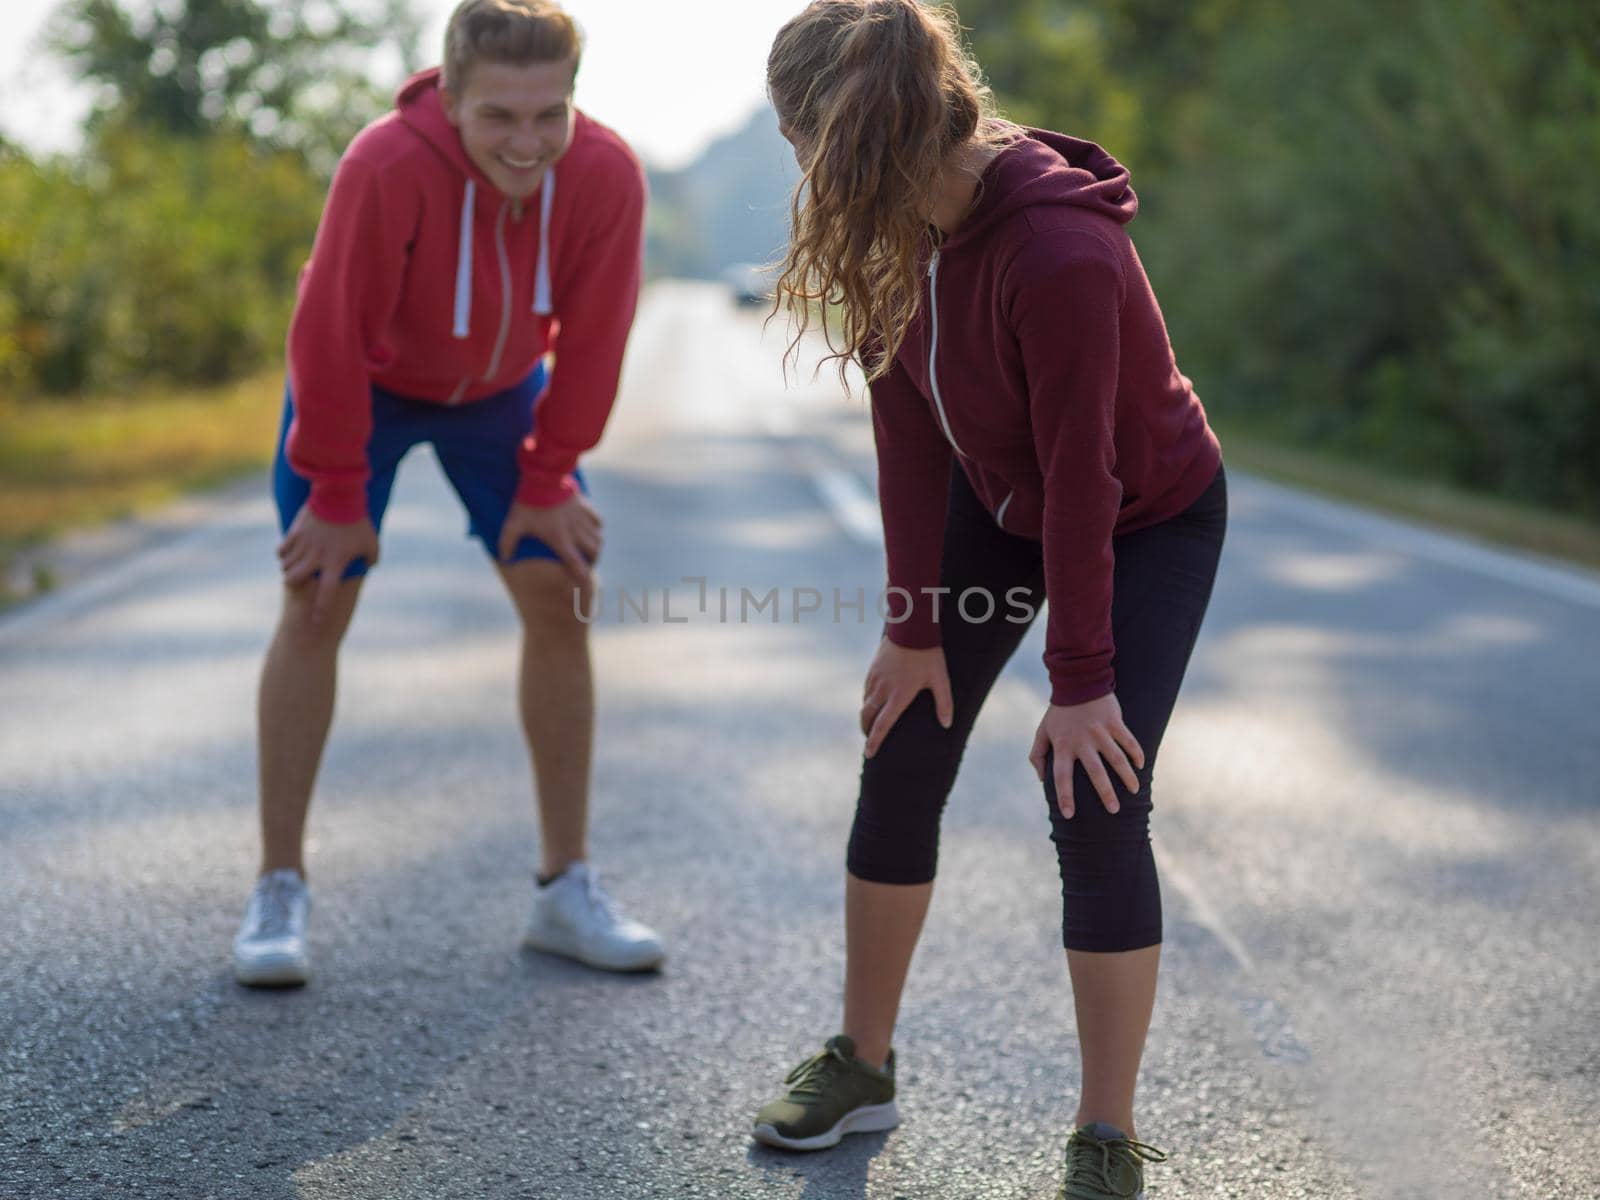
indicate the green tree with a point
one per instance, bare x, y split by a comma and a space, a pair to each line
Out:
1124, 73
1388, 242
1371, 225
161, 257
169, 247
47, 332
295, 73
1050, 63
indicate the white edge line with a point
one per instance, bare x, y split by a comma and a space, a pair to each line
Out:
1028, 696
848, 500
852, 504
1551, 578
1204, 911
99, 585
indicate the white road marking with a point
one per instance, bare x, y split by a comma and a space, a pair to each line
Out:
224, 520
1200, 906
1551, 578
847, 498
849, 501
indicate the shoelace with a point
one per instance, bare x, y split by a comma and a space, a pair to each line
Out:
809, 1077
275, 914
1089, 1160
600, 900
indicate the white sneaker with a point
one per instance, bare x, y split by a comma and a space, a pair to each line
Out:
270, 947
573, 916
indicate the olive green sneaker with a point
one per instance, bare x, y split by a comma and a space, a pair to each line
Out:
829, 1095
1103, 1163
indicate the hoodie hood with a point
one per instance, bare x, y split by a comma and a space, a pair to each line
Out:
421, 109
1046, 168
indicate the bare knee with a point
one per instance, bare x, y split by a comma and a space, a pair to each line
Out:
550, 604
299, 630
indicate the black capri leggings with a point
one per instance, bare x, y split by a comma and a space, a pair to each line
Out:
1162, 583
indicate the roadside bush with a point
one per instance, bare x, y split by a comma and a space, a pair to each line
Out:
153, 256
1372, 226
1386, 240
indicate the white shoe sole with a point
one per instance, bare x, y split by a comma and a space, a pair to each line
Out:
562, 944
279, 970
871, 1118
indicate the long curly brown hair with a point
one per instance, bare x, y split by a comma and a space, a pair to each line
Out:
876, 95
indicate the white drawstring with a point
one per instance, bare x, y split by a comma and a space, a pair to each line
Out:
543, 301
463, 327
542, 304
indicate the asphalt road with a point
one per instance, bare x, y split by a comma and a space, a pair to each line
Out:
1376, 819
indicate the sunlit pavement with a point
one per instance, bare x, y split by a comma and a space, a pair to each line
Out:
1376, 819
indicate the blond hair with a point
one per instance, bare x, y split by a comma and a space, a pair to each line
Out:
508, 31
877, 95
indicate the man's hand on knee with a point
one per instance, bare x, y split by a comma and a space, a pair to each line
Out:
321, 551
573, 529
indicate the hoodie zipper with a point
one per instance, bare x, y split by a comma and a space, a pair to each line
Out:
1000, 513
933, 376
933, 351
505, 292
464, 284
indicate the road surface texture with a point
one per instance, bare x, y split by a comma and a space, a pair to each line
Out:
1376, 818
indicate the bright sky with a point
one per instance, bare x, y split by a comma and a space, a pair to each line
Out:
668, 77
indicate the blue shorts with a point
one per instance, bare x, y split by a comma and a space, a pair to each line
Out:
477, 445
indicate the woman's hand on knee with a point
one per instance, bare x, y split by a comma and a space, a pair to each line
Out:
897, 676
1092, 734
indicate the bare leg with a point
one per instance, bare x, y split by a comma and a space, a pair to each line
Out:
294, 711
882, 924
1114, 995
556, 698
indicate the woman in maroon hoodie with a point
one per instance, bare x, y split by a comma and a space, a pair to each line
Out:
1035, 441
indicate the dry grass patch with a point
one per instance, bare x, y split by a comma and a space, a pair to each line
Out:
70, 463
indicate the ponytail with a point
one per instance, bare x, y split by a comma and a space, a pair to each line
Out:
876, 95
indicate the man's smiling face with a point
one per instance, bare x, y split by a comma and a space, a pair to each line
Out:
515, 121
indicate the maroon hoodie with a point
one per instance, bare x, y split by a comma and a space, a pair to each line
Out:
1041, 361
429, 282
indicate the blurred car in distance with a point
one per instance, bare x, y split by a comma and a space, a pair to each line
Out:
750, 283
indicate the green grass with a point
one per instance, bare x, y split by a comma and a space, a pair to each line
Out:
1487, 518
71, 463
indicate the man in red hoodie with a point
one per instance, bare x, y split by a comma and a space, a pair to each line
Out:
463, 233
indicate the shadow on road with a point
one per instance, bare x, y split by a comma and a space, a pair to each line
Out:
836, 1174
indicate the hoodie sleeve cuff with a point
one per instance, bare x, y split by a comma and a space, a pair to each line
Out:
544, 491
1067, 690
339, 504
914, 634
911, 620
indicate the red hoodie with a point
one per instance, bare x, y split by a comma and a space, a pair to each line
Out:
1047, 371
428, 282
